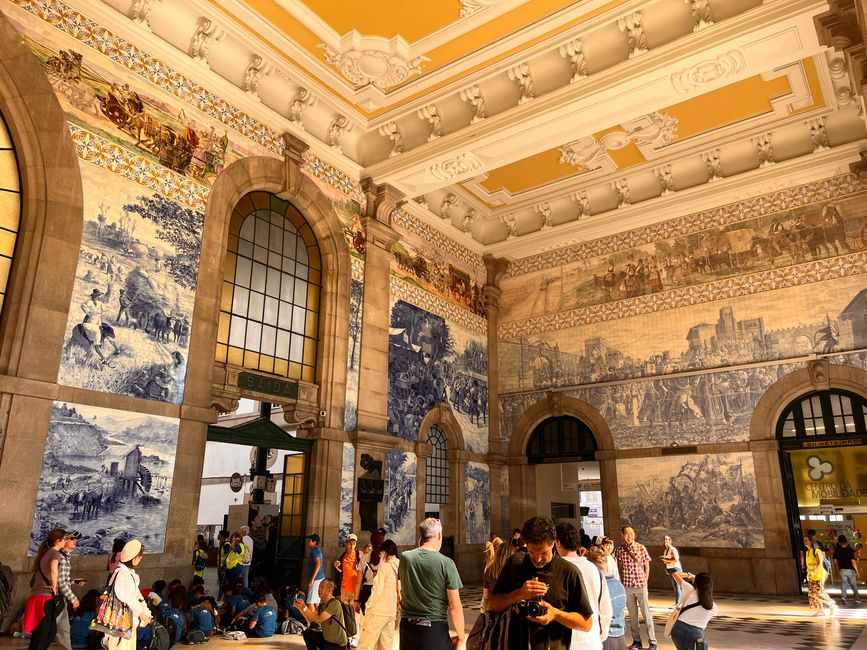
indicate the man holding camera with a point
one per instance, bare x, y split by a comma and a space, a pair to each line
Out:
545, 593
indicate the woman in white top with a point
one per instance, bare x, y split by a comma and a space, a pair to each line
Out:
378, 628
125, 584
608, 546
671, 560
696, 609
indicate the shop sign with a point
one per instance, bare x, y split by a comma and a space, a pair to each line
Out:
236, 482
268, 385
829, 473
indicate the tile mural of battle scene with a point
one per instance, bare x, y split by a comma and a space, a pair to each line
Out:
431, 361
801, 234
400, 486
350, 411
107, 474
477, 502
702, 500
129, 319
819, 318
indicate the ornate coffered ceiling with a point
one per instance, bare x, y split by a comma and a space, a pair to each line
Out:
521, 125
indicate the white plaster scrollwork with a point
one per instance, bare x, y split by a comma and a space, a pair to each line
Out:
765, 149
574, 51
725, 65
585, 152
303, 98
432, 114
206, 33
582, 202
452, 168
467, 220
544, 210
511, 223
818, 134
656, 129
701, 14
449, 200
521, 74
339, 125
256, 69
373, 66
140, 12
473, 95
621, 187
421, 199
713, 165
469, 7
392, 131
633, 26
666, 180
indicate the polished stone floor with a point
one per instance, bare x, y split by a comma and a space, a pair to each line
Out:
744, 623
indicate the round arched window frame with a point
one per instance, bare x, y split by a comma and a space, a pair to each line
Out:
10, 207
823, 414
436, 483
565, 438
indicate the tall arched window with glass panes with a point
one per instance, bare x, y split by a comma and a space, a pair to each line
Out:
269, 313
437, 467
10, 207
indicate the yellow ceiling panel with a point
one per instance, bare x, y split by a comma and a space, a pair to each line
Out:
815, 87
523, 175
412, 20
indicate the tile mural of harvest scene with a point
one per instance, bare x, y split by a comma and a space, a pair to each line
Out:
778, 239
432, 361
107, 474
132, 303
702, 500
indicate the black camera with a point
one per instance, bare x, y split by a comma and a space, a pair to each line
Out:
532, 608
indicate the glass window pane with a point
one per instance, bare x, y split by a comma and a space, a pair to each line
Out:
257, 304
298, 319
282, 351
285, 319
237, 333
240, 301
245, 248
289, 242
300, 294
254, 335
273, 287
242, 272
258, 279
296, 349
269, 339
301, 251
301, 271
260, 254
288, 265
10, 210
262, 228
287, 289
270, 315
247, 228
275, 260
276, 241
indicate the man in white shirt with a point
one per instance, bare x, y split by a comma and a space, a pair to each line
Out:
247, 560
567, 543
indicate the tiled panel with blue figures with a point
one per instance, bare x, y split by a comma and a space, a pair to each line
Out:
347, 491
477, 501
400, 495
350, 415
431, 361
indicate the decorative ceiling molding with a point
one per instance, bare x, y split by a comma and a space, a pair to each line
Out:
453, 169
375, 60
725, 65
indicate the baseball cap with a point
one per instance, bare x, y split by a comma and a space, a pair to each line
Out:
314, 537
352, 536
71, 534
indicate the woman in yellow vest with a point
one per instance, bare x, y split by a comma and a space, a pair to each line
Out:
816, 576
234, 559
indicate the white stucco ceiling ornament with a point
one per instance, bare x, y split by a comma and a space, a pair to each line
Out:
382, 62
725, 65
585, 152
452, 168
469, 7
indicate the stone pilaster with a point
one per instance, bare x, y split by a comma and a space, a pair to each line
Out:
293, 156
373, 371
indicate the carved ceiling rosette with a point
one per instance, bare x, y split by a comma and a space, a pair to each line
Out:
364, 60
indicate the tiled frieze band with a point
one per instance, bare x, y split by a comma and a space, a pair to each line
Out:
417, 296
446, 244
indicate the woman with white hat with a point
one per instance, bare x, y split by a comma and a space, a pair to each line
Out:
125, 583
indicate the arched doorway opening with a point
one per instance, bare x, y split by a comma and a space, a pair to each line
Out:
823, 449
568, 480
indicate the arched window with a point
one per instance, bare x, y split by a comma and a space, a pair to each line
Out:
825, 413
563, 437
436, 484
269, 313
10, 207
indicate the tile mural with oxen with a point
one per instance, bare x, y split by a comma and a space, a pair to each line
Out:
129, 320
777, 239
821, 318
107, 474
400, 486
477, 503
700, 500
432, 361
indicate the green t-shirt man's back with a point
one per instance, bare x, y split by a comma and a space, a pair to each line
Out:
425, 576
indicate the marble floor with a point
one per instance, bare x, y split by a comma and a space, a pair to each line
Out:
745, 623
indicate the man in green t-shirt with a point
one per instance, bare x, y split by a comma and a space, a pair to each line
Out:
329, 615
429, 584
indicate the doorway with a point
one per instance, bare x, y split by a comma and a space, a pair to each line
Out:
823, 450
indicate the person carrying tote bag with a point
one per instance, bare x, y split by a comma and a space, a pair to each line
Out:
693, 613
125, 597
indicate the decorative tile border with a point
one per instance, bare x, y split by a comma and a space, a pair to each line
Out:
118, 160
433, 236
333, 177
787, 199
745, 285
356, 265
417, 296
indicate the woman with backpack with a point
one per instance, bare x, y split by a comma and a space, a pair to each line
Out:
378, 628
817, 573
695, 610
367, 570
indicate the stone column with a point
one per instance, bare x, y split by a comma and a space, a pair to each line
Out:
373, 366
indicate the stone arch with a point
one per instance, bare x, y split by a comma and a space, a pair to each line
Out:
284, 179
442, 415
522, 476
46, 253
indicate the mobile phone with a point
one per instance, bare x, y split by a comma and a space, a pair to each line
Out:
79, 581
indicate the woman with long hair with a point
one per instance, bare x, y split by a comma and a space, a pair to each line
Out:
114, 557
488, 557
492, 571
124, 583
696, 608
367, 568
816, 576
45, 572
381, 607
671, 560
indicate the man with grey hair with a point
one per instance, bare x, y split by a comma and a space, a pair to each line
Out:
429, 592
247, 560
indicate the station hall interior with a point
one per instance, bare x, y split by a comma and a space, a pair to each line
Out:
324, 266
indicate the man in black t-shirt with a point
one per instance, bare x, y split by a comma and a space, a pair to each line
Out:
845, 559
545, 593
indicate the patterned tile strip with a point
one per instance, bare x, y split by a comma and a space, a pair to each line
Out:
401, 290
744, 285
786, 199
357, 268
411, 224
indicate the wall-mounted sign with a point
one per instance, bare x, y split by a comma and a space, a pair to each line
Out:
236, 482
268, 385
829, 474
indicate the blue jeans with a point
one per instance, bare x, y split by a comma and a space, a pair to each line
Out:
686, 637
847, 579
677, 590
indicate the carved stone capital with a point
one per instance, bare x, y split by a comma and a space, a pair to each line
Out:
301, 417
382, 200
224, 401
492, 299
496, 268
378, 234
819, 372
293, 158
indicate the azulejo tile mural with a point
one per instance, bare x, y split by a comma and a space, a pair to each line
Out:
347, 492
400, 493
477, 503
350, 415
430, 361
107, 474
701, 500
